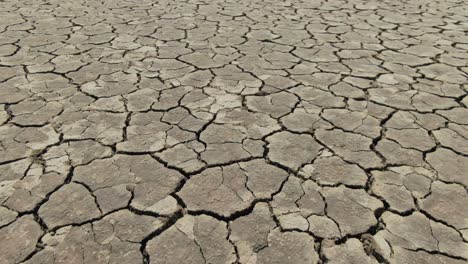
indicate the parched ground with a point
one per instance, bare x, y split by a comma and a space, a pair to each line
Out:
233, 131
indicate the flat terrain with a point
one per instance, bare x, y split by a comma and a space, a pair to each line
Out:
233, 131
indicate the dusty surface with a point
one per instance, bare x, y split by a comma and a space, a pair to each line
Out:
253, 132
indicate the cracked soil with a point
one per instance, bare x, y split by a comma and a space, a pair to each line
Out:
233, 131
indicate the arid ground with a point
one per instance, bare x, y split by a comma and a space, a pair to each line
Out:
233, 131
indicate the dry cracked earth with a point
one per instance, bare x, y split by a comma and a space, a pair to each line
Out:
233, 131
